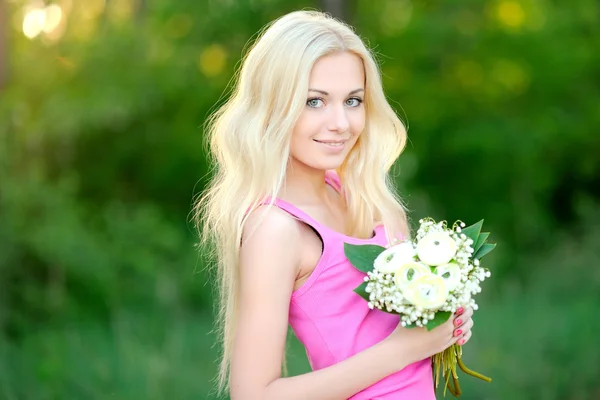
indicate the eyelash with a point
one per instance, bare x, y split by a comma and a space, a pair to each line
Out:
358, 99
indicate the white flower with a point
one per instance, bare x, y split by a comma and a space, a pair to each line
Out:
410, 271
391, 259
450, 273
436, 248
427, 291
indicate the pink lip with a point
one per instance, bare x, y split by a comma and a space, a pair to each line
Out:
330, 141
333, 146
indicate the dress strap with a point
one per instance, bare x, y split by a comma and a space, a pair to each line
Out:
301, 216
332, 178
324, 232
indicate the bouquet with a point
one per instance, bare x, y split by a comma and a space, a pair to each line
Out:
426, 280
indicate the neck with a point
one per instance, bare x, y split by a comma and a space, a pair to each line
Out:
303, 183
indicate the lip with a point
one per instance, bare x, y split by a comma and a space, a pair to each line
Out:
333, 142
333, 146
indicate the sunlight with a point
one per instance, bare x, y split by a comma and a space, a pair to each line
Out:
54, 15
42, 19
212, 60
511, 14
34, 22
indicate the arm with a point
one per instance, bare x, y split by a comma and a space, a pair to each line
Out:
269, 263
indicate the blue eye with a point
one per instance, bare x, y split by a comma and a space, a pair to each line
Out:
354, 101
315, 103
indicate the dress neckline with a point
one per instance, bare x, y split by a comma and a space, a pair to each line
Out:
346, 238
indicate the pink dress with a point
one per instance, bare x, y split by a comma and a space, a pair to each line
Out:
334, 323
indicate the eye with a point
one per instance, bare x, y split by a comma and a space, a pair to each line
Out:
354, 101
315, 102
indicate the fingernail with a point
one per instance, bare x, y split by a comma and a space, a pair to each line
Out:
458, 333
460, 311
461, 342
457, 322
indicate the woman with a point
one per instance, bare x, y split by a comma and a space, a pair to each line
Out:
303, 149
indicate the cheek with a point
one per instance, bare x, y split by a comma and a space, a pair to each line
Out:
357, 123
306, 127
301, 139
299, 144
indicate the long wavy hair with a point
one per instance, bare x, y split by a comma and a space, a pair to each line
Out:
249, 139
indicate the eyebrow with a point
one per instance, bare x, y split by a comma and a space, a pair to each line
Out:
324, 93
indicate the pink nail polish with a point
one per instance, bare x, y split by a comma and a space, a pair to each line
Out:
460, 311
461, 342
458, 333
458, 322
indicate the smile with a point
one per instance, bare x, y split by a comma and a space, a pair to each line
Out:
334, 143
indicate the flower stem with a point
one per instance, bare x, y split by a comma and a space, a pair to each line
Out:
452, 385
446, 362
467, 371
457, 390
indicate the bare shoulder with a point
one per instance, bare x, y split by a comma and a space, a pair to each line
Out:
270, 223
266, 218
272, 233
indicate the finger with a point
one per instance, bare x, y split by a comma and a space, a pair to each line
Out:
459, 320
467, 325
463, 328
464, 312
461, 338
465, 338
469, 311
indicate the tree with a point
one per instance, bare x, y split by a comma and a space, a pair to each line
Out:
341, 9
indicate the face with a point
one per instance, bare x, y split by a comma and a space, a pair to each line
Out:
334, 114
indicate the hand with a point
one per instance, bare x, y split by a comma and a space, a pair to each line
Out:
463, 322
415, 344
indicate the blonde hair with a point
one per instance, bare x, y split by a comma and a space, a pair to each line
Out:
250, 142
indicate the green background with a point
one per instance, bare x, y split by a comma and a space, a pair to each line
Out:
103, 292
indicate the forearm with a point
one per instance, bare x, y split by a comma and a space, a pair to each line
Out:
339, 381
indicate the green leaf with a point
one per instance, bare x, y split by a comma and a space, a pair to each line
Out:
362, 291
473, 231
486, 248
480, 241
439, 318
362, 257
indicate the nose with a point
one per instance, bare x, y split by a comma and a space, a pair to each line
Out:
338, 119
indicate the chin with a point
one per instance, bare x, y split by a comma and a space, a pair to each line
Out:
320, 163
325, 166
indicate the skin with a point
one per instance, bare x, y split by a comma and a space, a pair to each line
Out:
282, 252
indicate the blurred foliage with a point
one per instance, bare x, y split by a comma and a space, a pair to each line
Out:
103, 293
